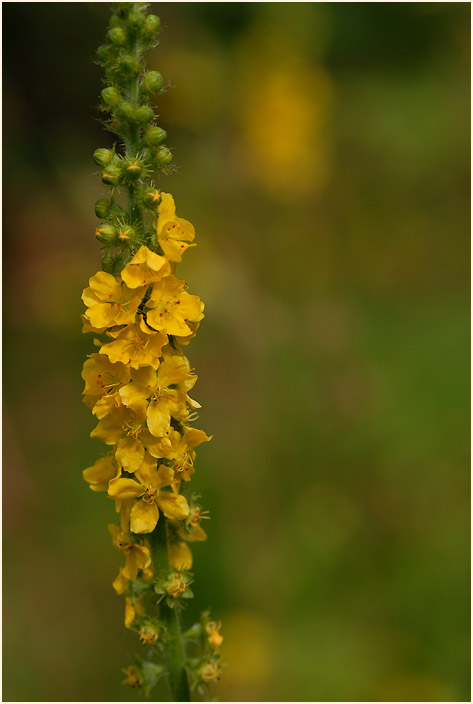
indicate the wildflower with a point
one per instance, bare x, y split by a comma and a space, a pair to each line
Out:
148, 490
145, 268
136, 345
110, 302
214, 638
150, 392
175, 235
180, 449
102, 381
170, 307
138, 557
101, 473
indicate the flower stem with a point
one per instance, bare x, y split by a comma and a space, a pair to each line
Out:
174, 653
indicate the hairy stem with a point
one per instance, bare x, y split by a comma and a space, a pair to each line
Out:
174, 653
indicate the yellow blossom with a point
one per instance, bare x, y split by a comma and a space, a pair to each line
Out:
180, 449
149, 392
180, 556
175, 235
145, 268
214, 638
129, 432
136, 345
138, 557
170, 308
101, 473
148, 490
110, 302
102, 381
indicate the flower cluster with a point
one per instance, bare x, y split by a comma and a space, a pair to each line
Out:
137, 383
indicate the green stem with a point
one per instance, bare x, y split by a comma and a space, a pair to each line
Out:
132, 136
175, 653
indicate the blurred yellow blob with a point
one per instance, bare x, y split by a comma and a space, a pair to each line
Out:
248, 650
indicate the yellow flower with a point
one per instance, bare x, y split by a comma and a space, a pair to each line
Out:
110, 302
145, 268
149, 392
136, 345
180, 556
214, 638
148, 634
101, 473
148, 490
129, 432
170, 308
180, 449
210, 672
138, 557
102, 381
175, 235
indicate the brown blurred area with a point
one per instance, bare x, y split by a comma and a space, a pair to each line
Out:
323, 157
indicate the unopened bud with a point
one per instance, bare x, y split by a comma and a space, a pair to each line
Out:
125, 111
102, 157
116, 36
152, 198
126, 234
105, 234
133, 169
102, 208
135, 20
152, 25
111, 175
105, 53
155, 136
153, 82
110, 96
143, 115
163, 156
129, 66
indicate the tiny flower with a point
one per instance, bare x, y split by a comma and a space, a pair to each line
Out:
137, 345
145, 268
151, 497
102, 381
210, 671
174, 234
170, 307
138, 557
215, 639
133, 677
148, 634
110, 302
150, 392
101, 473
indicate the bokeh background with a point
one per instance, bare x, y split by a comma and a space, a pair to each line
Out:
323, 153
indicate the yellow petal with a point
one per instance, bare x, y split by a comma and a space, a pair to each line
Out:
129, 612
101, 473
173, 506
129, 454
143, 517
135, 396
124, 488
120, 583
158, 417
180, 556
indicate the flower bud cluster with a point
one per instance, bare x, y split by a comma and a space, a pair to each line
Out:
207, 667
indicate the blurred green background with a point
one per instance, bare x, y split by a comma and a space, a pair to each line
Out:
323, 153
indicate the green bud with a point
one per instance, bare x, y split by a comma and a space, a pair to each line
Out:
115, 20
143, 115
133, 169
106, 234
152, 25
151, 198
104, 54
129, 66
155, 136
116, 36
163, 156
153, 82
110, 96
136, 20
111, 175
102, 208
127, 235
102, 157
125, 111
